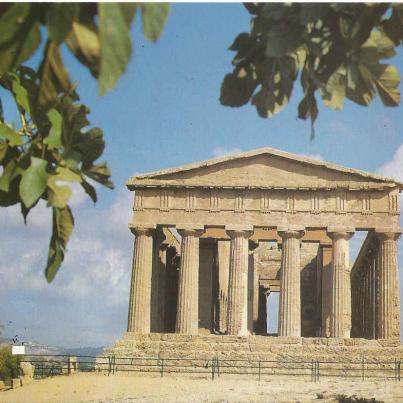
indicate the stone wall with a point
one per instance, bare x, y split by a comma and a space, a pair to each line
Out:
200, 350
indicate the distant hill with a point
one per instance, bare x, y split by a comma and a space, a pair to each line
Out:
32, 347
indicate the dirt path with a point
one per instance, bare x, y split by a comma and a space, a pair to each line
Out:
130, 388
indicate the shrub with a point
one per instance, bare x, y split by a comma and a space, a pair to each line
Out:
8, 364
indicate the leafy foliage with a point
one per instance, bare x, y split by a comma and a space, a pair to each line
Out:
54, 148
334, 49
8, 364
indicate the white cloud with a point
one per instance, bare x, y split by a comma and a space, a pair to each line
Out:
394, 167
221, 151
94, 278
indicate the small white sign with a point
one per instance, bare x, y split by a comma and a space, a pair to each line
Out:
18, 350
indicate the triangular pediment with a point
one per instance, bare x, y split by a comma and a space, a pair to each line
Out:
262, 168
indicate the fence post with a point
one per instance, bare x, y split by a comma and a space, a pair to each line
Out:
109, 364
68, 365
162, 367
218, 366
259, 370
398, 370
312, 371
318, 371
212, 369
395, 369
363, 368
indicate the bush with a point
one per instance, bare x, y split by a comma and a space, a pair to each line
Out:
8, 364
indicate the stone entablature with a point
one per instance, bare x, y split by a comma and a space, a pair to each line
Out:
315, 210
225, 206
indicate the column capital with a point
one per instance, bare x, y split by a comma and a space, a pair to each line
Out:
340, 232
234, 230
197, 232
384, 233
291, 232
141, 230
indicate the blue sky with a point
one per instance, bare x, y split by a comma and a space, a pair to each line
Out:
164, 112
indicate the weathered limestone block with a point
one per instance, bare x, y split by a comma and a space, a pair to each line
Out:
139, 319
27, 370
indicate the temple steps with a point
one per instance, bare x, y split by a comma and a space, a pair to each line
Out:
255, 348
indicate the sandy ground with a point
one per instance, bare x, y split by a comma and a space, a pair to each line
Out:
171, 388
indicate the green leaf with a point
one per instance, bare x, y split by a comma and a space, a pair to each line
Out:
129, 11
100, 173
393, 26
63, 224
61, 193
277, 84
308, 108
11, 135
91, 145
11, 171
116, 45
21, 95
154, 16
59, 18
72, 159
33, 182
3, 149
335, 89
59, 196
387, 83
54, 79
54, 139
10, 197
12, 21
236, 89
242, 42
283, 40
20, 36
83, 41
90, 190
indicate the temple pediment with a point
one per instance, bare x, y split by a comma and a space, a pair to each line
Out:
263, 168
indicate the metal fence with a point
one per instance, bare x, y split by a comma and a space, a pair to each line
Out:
50, 365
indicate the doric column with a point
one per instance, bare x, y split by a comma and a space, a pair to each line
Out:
290, 286
388, 326
237, 315
140, 292
326, 289
187, 315
340, 320
156, 278
223, 279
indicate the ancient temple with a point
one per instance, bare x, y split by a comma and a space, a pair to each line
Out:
213, 239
